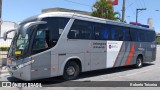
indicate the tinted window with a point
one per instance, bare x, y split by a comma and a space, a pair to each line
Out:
56, 26
126, 34
111, 32
81, 30
116, 33
41, 40
134, 34
101, 31
153, 36
141, 35
150, 36
138, 35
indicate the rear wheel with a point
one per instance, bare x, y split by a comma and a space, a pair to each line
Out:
139, 62
71, 70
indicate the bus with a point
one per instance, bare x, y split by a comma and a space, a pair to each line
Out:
66, 44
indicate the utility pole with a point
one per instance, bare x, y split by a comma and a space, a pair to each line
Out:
123, 10
137, 11
0, 16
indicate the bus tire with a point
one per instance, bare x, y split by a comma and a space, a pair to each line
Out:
71, 70
139, 62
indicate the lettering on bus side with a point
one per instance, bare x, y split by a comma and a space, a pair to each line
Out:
99, 45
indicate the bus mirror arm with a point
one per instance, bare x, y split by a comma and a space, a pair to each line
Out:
23, 31
5, 36
6, 33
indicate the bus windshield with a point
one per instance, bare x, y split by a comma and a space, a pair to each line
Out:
19, 44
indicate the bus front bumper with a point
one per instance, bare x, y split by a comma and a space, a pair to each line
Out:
22, 73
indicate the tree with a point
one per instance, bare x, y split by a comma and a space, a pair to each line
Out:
104, 9
158, 39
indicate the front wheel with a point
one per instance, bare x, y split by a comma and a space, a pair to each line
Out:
139, 62
71, 70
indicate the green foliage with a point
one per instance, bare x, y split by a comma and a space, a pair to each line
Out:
4, 48
158, 39
104, 9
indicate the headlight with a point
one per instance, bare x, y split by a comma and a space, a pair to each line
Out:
25, 64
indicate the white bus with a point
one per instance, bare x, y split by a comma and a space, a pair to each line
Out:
65, 44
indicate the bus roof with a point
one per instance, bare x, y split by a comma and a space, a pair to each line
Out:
86, 18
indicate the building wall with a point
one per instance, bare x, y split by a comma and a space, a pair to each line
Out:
5, 27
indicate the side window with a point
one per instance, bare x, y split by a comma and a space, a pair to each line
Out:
41, 40
134, 34
151, 36
141, 35
62, 22
101, 31
116, 33
81, 30
112, 33
126, 34
56, 25
119, 34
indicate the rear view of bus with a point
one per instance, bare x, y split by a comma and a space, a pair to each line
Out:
65, 44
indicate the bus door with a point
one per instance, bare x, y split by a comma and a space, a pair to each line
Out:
42, 59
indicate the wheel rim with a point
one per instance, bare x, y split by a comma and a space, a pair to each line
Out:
71, 70
139, 62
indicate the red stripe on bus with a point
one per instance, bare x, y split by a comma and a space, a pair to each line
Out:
130, 56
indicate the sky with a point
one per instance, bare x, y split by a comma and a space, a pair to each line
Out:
18, 10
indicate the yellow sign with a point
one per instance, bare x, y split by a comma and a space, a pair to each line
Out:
18, 52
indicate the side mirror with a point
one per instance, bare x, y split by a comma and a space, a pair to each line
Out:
23, 31
6, 33
5, 36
